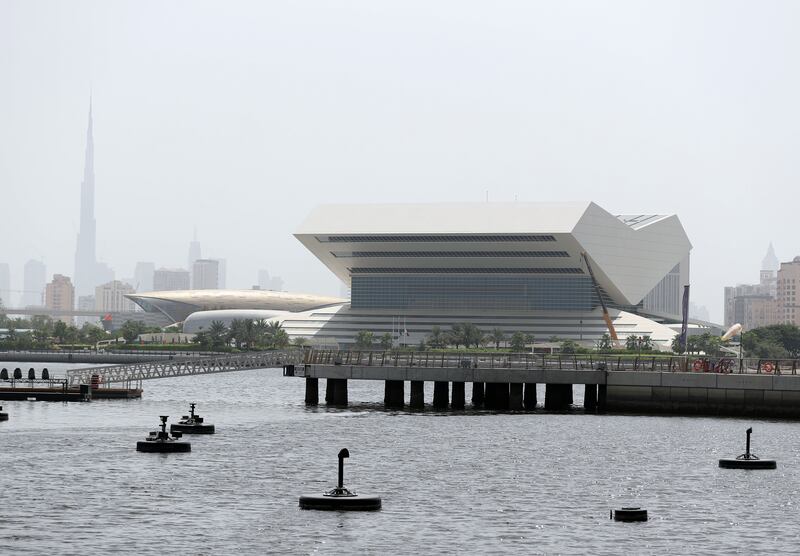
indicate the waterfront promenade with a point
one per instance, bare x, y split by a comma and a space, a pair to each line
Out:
679, 384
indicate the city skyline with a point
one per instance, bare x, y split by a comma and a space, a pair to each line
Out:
693, 127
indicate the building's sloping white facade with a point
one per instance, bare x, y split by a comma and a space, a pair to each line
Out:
630, 255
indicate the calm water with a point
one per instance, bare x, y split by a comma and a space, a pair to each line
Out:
71, 481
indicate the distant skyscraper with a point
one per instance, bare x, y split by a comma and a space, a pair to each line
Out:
223, 273
770, 261
111, 297
263, 279
5, 285
143, 277
85, 254
60, 295
265, 282
194, 251
170, 279
205, 274
33, 284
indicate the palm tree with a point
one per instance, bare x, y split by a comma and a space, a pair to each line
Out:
217, 334
497, 336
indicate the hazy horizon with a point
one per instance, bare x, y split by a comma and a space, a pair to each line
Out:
239, 118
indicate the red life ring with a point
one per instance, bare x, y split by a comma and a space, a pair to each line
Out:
767, 367
697, 365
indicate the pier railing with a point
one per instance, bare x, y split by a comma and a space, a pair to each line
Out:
535, 361
136, 372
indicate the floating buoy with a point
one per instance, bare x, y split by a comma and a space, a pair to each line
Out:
630, 514
160, 441
3, 416
340, 498
747, 460
191, 424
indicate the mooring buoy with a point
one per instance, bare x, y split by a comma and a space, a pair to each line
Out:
629, 514
160, 441
191, 424
340, 498
3, 416
747, 460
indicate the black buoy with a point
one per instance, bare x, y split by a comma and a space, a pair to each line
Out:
4, 374
630, 514
45, 374
159, 441
748, 460
340, 498
191, 424
3, 416
31, 374
17, 373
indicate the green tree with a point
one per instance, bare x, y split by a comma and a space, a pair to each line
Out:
60, 331
646, 343
437, 338
217, 334
518, 342
632, 343
131, 329
604, 343
300, 342
280, 339
496, 336
676, 344
364, 339
386, 341
456, 335
237, 333
569, 346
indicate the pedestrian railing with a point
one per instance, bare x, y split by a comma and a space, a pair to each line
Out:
560, 362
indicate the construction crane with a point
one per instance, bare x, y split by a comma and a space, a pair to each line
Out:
611, 331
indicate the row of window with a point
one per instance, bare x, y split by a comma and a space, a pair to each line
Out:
461, 254
444, 270
534, 293
427, 238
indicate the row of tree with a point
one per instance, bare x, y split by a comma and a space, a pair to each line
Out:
243, 334
43, 332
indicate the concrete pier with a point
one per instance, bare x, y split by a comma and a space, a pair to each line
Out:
441, 391
557, 397
394, 393
417, 394
590, 397
458, 399
477, 394
312, 391
529, 398
515, 396
602, 396
336, 391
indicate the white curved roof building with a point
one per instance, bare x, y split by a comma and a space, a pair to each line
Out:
513, 266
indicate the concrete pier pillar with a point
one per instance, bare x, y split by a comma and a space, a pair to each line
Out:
557, 396
496, 395
394, 393
568, 393
441, 391
458, 396
417, 394
312, 391
529, 399
477, 394
601, 397
515, 396
330, 386
590, 397
336, 391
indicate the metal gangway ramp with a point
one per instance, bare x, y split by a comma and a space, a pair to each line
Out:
136, 372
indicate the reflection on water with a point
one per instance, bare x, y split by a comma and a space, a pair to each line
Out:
486, 483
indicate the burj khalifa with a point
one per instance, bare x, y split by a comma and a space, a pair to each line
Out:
85, 255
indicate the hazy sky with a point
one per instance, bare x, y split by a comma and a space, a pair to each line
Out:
239, 117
